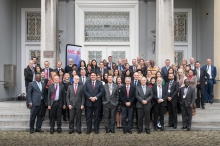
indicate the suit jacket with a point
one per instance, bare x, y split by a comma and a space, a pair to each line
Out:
138, 83
192, 68
80, 80
99, 72
96, 92
174, 90
164, 71
61, 100
124, 98
131, 68
28, 75
107, 98
141, 96
204, 76
164, 95
190, 97
122, 68
50, 70
56, 70
213, 72
108, 66
76, 100
35, 94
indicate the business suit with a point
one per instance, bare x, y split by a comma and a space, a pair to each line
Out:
201, 78
159, 107
187, 98
28, 77
93, 106
210, 83
143, 110
164, 71
193, 67
56, 105
36, 96
110, 102
76, 100
133, 68
104, 70
48, 69
173, 89
127, 111
109, 66
121, 68
83, 79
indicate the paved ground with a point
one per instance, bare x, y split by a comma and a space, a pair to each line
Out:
156, 138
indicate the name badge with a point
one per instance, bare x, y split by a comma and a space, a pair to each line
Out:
184, 96
168, 90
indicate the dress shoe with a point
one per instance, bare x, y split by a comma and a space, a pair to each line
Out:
162, 128
124, 131
31, 131
112, 131
70, 132
155, 128
51, 131
203, 107
171, 125
174, 127
148, 131
79, 132
96, 131
211, 102
40, 131
183, 127
107, 131
64, 120
88, 132
59, 130
129, 131
188, 129
139, 131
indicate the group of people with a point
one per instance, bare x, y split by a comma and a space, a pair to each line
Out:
117, 93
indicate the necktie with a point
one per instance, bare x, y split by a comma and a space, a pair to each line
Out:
32, 69
120, 67
75, 89
135, 83
93, 85
198, 75
39, 85
54, 93
47, 74
170, 84
127, 91
110, 89
83, 80
160, 92
134, 69
144, 89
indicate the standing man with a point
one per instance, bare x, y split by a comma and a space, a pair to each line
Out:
144, 95
110, 102
101, 70
133, 67
165, 69
59, 67
127, 97
109, 63
93, 90
47, 69
160, 99
36, 100
202, 77
28, 77
153, 68
35, 60
56, 102
192, 63
187, 99
120, 66
83, 78
75, 102
211, 70
173, 89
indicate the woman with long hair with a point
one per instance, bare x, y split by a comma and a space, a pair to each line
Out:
105, 78
82, 65
118, 114
72, 76
117, 73
193, 83
159, 74
89, 69
66, 82
94, 65
60, 74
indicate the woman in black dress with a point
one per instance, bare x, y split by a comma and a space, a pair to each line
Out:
118, 114
66, 82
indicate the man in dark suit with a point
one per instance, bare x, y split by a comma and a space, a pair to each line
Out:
93, 90
160, 100
101, 70
173, 89
36, 100
164, 69
83, 78
28, 77
144, 95
59, 67
127, 97
120, 66
35, 60
202, 77
109, 63
187, 100
75, 102
192, 63
212, 71
56, 102
47, 70
133, 67
110, 102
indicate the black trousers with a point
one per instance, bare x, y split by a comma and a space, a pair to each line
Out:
144, 113
186, 116
109, 116
75, 112
158, 111
200, 91
89, 117
55, 115
127, 113
172, 107
37, 111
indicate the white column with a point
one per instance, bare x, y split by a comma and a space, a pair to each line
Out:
216, 48
49, 29
164, 32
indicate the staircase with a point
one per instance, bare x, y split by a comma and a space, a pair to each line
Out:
14, 116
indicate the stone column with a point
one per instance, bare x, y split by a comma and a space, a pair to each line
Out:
49, 32
216, 52
164, 32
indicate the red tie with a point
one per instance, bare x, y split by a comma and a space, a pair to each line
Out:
93, 85
127, 91
47, 75
75, 89
54, 93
